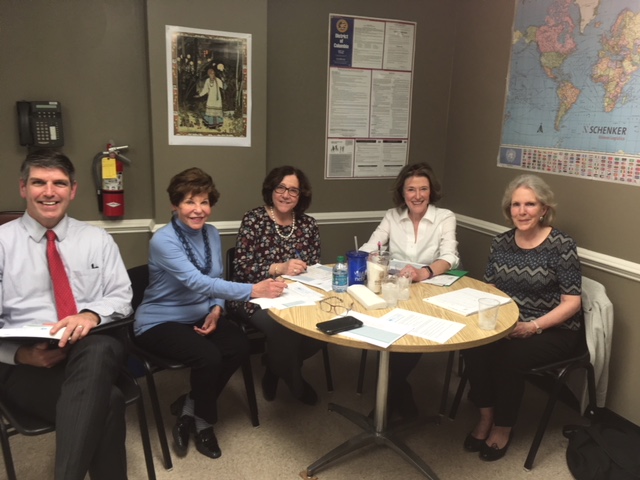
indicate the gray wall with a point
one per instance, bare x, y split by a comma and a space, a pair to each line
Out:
600, 216
238, 172
105, 62
91, 57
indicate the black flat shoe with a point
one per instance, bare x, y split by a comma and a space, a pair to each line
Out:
473, 444
309, 395
269, 385
207, 443
493, 453
181, 432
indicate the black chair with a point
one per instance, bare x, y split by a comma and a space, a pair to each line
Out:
559, 372
257, 338
153, 363
445, 387
14, 421
8, 215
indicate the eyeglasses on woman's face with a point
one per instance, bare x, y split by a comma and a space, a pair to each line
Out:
293, 191
335, 305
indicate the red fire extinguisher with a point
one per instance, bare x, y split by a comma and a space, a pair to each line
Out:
108, 168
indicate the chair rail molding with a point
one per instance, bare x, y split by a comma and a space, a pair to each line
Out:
600, 261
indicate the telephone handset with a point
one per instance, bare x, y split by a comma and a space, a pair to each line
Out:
40, 124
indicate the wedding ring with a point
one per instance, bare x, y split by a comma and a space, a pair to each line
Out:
79, 327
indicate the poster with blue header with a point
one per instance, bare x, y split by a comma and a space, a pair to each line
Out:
369, 87
341, 50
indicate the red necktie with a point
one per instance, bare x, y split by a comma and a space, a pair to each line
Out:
65, 303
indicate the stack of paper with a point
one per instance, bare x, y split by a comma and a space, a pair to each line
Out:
464, 301
385, 330
295, 295
317, 275
446, 279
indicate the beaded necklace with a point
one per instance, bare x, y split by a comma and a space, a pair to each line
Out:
293, 225
207, 248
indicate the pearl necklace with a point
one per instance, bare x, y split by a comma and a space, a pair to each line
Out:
293, 225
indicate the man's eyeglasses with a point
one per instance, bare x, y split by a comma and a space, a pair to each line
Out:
335, 305
293, 191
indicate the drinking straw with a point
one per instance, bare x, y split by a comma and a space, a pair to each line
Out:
355, 239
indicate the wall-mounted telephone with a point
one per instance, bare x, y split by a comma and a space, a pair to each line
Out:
40, 124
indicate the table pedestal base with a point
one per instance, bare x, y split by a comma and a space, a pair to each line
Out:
369, 437
375, 432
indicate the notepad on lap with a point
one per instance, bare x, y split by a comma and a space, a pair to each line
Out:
366, 297
463, 301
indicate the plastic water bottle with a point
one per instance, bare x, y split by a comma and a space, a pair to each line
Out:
340, 277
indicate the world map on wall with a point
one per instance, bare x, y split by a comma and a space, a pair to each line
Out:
573, 99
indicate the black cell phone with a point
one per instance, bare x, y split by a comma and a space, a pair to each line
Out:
337, 325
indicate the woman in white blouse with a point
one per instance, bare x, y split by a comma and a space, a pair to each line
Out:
423, 235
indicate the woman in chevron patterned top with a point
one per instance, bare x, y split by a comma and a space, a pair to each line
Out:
537, 265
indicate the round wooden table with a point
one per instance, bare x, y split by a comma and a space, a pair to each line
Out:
303, 320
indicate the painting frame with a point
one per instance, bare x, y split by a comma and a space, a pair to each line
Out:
208, 87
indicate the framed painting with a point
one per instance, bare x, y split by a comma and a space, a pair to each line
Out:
209, 87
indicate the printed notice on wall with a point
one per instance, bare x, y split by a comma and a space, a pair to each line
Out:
369, 86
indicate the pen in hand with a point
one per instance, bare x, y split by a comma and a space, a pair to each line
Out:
299, 257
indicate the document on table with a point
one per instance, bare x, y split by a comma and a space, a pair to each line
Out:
31, 331
317, 275
424, 326
295, 295
463, 301
446, 279
376, 331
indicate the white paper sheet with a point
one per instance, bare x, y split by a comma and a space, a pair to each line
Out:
295, 295
317, 275
424, 326
463, 301
376, 331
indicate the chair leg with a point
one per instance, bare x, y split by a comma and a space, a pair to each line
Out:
460, 364
6, 452
363, 366
146, 442
542, 426
592, 408
157, 414
327, 367
458, 397
445, 387
247, 374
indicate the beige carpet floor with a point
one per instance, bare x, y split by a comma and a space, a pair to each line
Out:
292, 435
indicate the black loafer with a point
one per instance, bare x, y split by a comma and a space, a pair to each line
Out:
181, 432
491, 453
207, 443
473, 444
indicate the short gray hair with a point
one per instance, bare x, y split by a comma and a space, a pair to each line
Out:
47, 158
541, 190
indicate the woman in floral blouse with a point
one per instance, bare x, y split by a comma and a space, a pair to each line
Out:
276, 239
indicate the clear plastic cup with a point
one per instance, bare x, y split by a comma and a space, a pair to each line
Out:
390, 290
404, 287
488, 313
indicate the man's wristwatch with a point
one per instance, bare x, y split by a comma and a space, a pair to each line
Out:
538, 329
